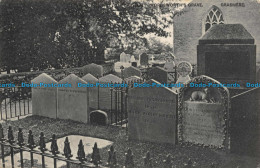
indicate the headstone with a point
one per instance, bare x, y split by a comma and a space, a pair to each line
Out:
105, 92
131, 71
152, 114
98, 117
73, 101
184, 69
169, 64
132, 59
124, 57
144, 59
204, 113
93, 91
245, 120
159, 74
94, 69
227, 53
44, 99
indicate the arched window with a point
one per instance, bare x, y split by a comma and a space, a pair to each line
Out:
215, 16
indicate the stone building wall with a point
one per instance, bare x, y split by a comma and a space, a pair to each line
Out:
188, 23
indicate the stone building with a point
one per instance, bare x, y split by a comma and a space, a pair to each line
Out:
191, 23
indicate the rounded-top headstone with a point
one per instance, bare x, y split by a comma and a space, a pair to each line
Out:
184, 68
90, 78
132, 59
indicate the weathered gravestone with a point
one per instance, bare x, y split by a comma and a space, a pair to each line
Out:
152, 114
227, 53
132, 59
204, 113
245, 120
92, 91
169, 64
73, 101
144, 58
94, 69
44, 98
105, 92
184, 69
98, 117
131, 71
124, 57
159, 74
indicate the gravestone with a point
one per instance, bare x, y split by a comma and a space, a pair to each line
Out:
227, 53
94, 69
73, 101
92, 91
245, 120
204, 113
44, 99
144, 58
124, 57
152, 114
98, 117
132, 59
184, 69
105, 92
169, 64
159, 74
131, 71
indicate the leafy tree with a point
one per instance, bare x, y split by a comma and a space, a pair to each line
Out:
42, 34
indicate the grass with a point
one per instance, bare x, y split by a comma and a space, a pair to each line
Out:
201, 157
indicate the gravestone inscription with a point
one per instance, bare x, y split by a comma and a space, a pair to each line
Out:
203, 114
152, 114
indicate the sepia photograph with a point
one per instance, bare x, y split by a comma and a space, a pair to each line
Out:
129, 84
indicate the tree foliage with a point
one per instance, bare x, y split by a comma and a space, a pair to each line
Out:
41, 34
